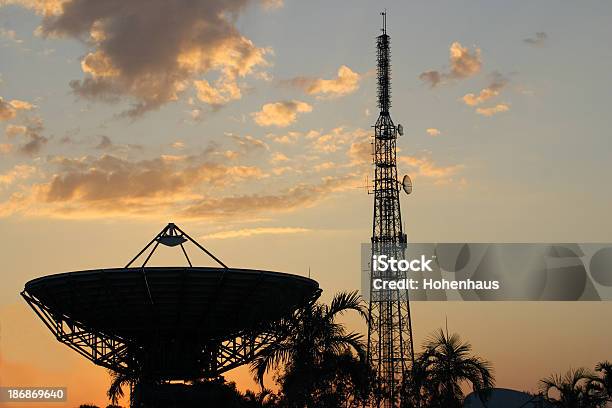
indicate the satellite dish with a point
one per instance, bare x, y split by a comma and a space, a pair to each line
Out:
407, 184
400, 130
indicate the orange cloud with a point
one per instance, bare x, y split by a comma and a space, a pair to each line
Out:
192, 186
248, 143
110, 178
21, 105
225, 91
18, 172
325, 166
249, 232
360, 152
31, 134
493, 110
44, 7
300, 196
492, 90
425, 167
280, 114
433, 131
463, 64
278, 157
183, 43
273, 4
336, 139
93, 187
8, 109
15, 130
288, 138
346, 82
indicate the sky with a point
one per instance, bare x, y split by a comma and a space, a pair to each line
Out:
248, 123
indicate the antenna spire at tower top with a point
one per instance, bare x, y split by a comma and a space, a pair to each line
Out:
384, 16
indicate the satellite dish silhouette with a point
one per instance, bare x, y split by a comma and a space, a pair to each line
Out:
407, 184
400, 130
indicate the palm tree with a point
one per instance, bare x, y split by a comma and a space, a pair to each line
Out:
319, 359
438, 374
415, 389
118, 381
265, 398
605, 367
576, 389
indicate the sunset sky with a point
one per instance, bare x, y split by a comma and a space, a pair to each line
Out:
248, 124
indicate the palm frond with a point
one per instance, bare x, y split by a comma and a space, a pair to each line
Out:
345, 301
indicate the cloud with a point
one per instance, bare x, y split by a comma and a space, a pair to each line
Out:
226, 90
15, 130
433, 131
498, 82
44, 7
300, 196
463, 64
21, 105
273, 4
425, 167
336, 139
538, 40
248, 143
10, 35
8, 109
280, 114
325, 166
287, 138
346, 82
360, 152
31, 134
493, 110
109, 184
278, 157
432, 77
151, 51
249, 232
179, 145
18, 172
105, 143
99, 187
279, 171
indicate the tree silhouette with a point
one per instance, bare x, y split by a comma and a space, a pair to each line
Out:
439, 372
605, 367
577, 388
322, 364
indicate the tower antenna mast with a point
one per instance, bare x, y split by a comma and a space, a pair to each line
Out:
390, 348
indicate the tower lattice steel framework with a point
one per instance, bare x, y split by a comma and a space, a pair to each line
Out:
390, 349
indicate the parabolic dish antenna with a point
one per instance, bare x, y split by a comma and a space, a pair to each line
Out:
400, 130
407, 184
158, 324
